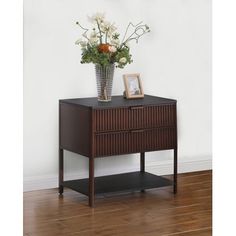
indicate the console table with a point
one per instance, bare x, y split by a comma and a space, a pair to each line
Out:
97, 129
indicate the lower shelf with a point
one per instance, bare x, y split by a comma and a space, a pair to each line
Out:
133, 181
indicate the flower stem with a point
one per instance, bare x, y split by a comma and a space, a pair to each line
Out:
85, 30
135, 32
106, 37
100, 32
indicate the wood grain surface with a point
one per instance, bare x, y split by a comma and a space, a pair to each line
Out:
156, 212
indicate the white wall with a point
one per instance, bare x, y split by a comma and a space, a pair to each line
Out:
174, 61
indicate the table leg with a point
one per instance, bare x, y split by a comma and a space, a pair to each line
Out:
142, 162
91, 181
61, 170
142, 165
175, 171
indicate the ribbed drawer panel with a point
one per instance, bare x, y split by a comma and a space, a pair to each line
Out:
152, 116
134, 118
107, 144
111, 119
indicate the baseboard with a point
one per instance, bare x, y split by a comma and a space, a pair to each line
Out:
160, 168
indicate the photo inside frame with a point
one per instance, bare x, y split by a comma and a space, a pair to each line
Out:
134, 86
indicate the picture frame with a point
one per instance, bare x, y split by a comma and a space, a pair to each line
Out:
133, 86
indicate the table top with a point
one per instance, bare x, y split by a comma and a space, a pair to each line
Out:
119, 101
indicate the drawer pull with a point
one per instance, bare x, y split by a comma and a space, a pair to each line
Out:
137, 131
136, 107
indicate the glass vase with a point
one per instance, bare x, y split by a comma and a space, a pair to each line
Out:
104, 78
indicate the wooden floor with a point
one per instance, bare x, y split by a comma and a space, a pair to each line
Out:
156, 212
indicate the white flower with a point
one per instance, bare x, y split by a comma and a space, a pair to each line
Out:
83, 44
112, 49
93, 40
93, 34
108, 27
123, 60
97, 17
105, 25
78, 41
93, 37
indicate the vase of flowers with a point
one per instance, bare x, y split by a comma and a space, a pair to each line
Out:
103, 47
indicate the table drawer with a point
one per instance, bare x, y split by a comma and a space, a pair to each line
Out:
136, 117
116, 143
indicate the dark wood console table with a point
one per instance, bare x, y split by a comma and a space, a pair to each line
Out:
94, 129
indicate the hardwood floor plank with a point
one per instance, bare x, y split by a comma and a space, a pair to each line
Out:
199, 232
155, 212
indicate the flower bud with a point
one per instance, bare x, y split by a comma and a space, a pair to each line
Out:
123, 60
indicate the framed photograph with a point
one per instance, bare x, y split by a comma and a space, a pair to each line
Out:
133, 86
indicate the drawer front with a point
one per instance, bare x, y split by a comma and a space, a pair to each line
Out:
134, 117
117, 143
